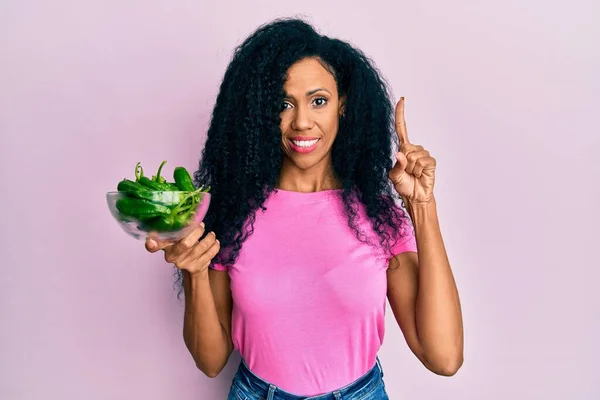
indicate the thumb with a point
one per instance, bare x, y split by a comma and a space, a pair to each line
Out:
397, 172
402, 160
154, 245
151, 245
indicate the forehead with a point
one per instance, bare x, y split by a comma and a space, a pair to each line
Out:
307, 74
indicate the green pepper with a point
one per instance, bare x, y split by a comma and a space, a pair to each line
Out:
153, 185
156, 202
166, 224
141, 209
157, 177
170, 199
177, 219
183, 179
134, 189
139, 171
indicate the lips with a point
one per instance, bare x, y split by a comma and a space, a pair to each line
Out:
303, 144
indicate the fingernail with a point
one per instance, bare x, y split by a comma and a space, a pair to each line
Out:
151, 244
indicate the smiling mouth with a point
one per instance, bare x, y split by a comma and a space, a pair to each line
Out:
304, 143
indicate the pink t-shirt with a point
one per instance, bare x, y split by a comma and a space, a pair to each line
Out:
309, 297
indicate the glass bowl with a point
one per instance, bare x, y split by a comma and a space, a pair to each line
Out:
167, 216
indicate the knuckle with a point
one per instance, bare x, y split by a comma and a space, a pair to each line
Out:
180, 248
204, 246
215, 249
188, 242
209, 240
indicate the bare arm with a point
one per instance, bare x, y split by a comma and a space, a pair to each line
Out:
208, 302
424, 298
207, 319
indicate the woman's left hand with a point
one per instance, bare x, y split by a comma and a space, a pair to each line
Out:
413, 175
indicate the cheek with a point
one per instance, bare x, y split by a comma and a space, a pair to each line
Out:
331, 126
284, 125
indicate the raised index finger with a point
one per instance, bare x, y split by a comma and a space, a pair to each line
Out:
400, 122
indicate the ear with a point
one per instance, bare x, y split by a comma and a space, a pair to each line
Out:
342, 106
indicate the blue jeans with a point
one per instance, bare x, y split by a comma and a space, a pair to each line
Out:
247, 386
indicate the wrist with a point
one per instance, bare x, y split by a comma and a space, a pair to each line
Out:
422, 213
420, 203
196, 277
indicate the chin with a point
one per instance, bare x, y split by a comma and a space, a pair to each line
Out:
305, 162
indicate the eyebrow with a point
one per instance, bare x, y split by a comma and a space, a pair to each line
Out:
310, 92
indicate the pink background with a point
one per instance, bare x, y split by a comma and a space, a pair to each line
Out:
504, 95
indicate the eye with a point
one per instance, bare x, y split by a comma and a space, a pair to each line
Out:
286, 106
320, 101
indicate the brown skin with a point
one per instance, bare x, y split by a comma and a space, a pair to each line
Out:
208, 301
431, 323
312, 109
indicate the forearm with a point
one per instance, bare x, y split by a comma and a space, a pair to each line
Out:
438, 311
204, 336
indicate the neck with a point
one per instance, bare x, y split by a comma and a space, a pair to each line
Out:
314, 179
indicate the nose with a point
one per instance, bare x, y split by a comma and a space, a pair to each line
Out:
302, 119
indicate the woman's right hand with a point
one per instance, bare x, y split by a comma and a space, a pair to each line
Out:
190, 253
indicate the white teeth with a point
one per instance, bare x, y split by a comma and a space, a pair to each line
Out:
305, 143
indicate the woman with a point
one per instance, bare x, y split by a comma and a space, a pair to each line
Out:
305, 238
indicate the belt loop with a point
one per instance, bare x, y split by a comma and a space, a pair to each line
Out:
271, 392
337, 395
380, 367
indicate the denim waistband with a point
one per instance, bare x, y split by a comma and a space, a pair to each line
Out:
261, 388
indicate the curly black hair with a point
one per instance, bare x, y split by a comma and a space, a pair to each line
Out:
242, 157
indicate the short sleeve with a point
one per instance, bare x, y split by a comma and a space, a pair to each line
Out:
217, 266
407, 241
217, 263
